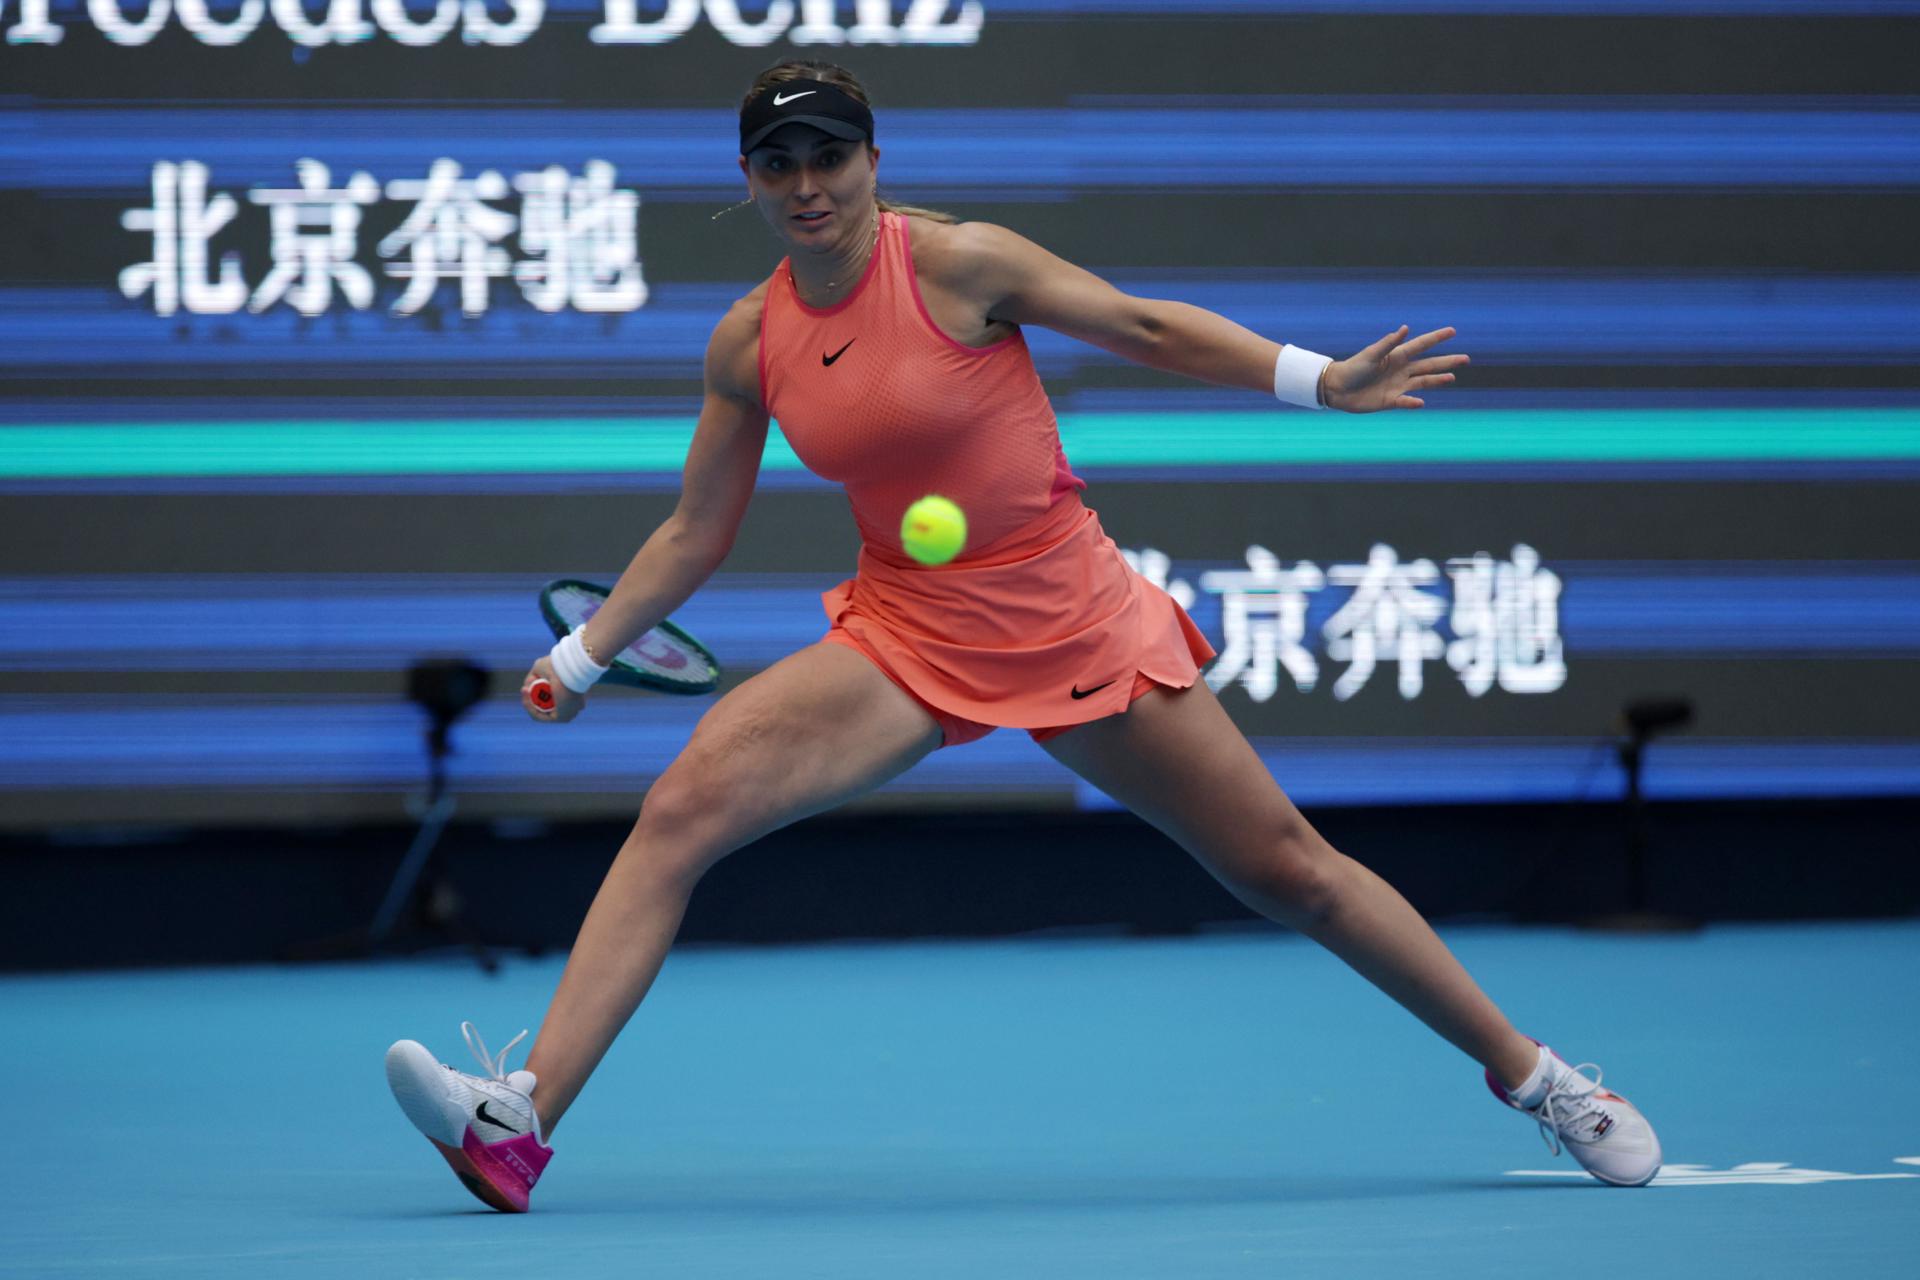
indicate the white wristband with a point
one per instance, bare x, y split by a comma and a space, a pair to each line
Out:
1296, 376
570, 662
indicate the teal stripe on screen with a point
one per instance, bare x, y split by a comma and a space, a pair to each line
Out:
505, 446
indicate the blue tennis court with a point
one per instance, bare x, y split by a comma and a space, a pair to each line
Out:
1229, 1104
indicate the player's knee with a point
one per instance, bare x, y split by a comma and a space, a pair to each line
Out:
676, 834
716, 796
1298, 875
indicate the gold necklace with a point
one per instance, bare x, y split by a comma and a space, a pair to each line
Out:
873, 233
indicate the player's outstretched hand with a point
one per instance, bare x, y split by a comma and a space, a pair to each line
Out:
566, 703
1384, 375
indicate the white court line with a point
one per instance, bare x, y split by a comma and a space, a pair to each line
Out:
1756, 1173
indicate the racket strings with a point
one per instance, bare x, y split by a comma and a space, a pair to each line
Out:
658, 653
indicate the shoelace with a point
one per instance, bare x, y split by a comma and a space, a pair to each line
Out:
1562, 1105
496, 1067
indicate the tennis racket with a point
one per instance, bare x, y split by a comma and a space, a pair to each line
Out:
666, 659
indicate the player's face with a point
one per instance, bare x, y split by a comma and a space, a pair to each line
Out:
814, 190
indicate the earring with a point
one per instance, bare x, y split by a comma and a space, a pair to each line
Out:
730, 208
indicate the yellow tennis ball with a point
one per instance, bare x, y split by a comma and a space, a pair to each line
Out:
933, 530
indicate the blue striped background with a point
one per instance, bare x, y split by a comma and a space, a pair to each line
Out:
370, 622
357, 622
366, 744
1168, 398
1186, 145
1517, 317
1262, 146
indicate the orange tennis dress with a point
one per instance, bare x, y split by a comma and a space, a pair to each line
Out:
1039, 623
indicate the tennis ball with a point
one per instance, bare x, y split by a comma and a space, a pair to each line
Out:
933, 530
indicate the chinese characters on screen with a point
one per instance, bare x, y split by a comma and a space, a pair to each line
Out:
578, 241
1504, 619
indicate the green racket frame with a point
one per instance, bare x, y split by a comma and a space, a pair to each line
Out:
622, 671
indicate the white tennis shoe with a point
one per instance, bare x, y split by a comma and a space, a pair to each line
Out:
485, 1126
1596, 1126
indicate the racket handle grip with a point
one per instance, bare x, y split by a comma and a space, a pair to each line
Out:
542, 694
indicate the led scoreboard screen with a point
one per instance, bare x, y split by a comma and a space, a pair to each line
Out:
330, 329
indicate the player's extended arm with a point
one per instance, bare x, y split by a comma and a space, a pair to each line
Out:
1018, 281
722, 465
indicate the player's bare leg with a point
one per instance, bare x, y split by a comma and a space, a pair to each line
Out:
1177, 761
813, 731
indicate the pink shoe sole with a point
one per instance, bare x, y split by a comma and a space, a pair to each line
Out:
486, 1174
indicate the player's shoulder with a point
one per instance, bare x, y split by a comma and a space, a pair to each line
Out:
739, 329
741, 323
957, 251
733, 352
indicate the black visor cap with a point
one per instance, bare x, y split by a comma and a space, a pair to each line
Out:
813, 102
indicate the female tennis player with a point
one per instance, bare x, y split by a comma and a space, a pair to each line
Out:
889, 346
